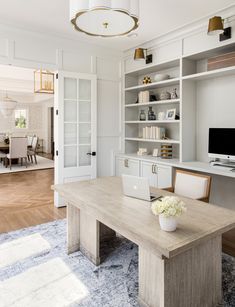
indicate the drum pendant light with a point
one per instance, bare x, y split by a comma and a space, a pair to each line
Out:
104, 18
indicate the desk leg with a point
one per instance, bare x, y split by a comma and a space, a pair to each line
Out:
192, 278
73, 229
89, 237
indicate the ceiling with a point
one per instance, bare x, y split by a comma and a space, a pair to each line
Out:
157, 17
19, 84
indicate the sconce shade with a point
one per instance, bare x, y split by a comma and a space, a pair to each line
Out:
139, 54
215, 26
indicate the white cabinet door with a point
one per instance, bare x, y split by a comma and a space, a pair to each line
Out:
164, 174
75, 128
126, 166
149, 170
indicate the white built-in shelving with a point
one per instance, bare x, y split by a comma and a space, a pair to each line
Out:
168, 141
152, 103
166, 121
184, 72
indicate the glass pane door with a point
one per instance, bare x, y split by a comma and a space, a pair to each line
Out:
77, 122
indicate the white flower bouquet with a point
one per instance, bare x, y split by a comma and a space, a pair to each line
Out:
168, 209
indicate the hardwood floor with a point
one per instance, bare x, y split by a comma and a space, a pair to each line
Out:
26, 199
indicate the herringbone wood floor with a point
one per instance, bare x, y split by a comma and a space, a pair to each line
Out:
26, 199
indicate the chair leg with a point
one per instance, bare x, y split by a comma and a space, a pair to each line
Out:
35, 159
10, 163
31, 157
21, 161
26, 162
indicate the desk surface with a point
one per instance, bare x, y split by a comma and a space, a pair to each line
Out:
103, 199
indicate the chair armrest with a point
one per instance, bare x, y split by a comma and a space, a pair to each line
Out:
170, 189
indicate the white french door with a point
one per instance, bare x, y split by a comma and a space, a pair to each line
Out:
75, 128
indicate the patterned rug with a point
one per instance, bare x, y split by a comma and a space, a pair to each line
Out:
74, 281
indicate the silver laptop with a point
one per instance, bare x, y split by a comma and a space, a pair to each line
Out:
137, 187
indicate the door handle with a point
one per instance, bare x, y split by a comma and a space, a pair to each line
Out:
93, 153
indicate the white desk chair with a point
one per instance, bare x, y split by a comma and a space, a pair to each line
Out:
192, 185
18, 149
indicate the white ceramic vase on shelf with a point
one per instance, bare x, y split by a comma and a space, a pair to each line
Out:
167, 223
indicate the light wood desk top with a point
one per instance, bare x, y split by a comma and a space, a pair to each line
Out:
103, 199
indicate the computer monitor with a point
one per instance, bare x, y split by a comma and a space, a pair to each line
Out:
222, 143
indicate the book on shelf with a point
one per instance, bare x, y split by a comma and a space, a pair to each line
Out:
153, 132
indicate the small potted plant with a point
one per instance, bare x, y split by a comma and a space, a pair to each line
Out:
168, 208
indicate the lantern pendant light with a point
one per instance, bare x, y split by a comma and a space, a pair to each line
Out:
104, 18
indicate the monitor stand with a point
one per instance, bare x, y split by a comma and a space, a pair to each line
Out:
226, 165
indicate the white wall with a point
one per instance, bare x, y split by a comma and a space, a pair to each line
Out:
34, 50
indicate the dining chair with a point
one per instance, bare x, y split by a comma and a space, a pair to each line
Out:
191, 185
17, 149
3, 157
33, 150
30, 140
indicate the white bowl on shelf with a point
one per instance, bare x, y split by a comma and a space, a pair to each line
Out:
161, 77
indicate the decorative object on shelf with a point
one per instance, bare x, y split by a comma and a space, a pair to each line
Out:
155, 152
43, 81
171, 114
174, 94
143, 97
151, 115
147, 80
139, 55
153, 132
166, 151
165, 95
104, 18
142, 115
221, 61
161, 116
161, 77
216, 26
7, 106
168, 209
142, 152
153, 98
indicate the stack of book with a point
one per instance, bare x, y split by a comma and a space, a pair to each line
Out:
153, 132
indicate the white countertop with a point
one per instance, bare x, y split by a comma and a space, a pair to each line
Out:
191, 165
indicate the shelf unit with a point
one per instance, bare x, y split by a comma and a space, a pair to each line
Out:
186, 75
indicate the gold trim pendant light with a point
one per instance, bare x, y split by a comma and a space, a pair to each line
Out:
215, 26
104, 18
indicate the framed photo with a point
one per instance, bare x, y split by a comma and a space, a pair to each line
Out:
155, 152
171, 114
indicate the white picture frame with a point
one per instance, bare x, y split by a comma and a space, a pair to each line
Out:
171, 114
155, 152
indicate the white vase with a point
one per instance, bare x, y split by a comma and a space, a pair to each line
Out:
167, 223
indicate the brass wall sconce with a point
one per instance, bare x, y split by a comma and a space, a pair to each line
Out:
216, 26
140, 55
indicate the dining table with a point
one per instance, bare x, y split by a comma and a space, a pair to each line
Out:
4, 147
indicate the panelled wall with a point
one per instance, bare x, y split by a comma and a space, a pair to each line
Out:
33, 50
214, 98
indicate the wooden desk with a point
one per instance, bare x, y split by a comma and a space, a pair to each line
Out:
178, 269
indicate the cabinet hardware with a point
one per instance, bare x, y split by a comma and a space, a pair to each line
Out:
126, 163
155, 169
152, 168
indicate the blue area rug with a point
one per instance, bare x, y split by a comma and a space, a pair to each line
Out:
114, 283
